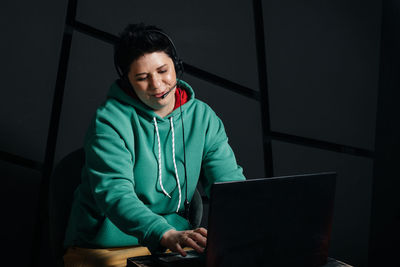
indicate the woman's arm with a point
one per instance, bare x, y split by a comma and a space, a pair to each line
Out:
219, 162
110, 170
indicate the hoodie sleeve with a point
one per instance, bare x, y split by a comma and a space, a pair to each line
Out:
109, 166
219, 162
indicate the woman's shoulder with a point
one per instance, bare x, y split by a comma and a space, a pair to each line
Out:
204, 115
111, 115
200, 106
113, 109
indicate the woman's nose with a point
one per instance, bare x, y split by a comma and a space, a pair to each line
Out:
155, 81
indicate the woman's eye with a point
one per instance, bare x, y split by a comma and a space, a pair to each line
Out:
141, 79
162, 71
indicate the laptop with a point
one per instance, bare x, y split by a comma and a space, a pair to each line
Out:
279, 221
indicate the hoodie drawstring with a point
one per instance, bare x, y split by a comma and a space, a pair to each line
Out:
159, 159
173, 158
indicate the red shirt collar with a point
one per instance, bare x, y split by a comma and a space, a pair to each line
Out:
180, 96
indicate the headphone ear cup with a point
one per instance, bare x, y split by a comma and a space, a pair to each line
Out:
178, 67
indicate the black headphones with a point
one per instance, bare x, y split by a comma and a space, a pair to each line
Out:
178, 63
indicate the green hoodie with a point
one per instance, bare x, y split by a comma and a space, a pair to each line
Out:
129, 193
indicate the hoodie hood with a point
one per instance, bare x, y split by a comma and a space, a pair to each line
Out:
119, 94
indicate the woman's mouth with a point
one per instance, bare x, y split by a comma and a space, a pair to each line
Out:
159, 95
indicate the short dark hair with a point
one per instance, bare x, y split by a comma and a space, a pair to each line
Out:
137, 40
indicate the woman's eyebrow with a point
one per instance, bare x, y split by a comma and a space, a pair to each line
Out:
162, 66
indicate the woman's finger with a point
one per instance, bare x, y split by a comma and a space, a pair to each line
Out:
189, 242
201, 231
180, 250
198, 238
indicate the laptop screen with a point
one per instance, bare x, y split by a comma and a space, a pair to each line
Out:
280, 221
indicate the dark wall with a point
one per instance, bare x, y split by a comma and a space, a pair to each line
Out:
30, 46
385, 215
323, 62
323, 76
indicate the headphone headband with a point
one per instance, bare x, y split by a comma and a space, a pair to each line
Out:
175, 58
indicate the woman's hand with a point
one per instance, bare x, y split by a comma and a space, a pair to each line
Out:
177, 240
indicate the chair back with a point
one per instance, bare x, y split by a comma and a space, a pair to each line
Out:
196, 209
63, 182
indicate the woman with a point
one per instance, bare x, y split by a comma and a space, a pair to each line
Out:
145, 149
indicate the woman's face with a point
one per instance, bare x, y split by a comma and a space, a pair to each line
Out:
151, 76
